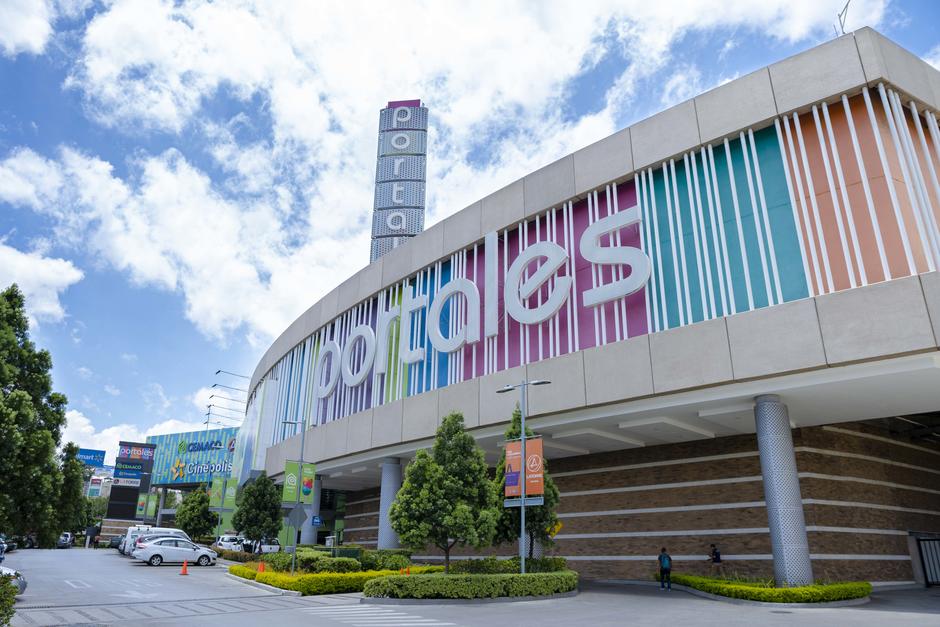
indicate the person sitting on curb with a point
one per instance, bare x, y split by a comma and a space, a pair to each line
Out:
665, 570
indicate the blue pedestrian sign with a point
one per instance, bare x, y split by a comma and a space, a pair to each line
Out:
316, 521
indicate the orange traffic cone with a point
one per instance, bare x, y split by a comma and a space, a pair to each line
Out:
409, 570
184, 571
260, 567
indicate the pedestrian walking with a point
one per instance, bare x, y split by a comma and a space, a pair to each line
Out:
714, 557
665, 570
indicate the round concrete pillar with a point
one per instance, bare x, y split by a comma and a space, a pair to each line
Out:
391, 483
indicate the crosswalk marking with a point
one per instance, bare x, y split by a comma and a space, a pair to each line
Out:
365, 616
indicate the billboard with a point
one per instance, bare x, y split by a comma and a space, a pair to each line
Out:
94, 487
194, 457
134, 450
91, 457
534, 468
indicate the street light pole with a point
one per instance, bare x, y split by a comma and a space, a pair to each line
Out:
523, 396
300, 474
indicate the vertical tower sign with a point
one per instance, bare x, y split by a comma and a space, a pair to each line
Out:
399, 175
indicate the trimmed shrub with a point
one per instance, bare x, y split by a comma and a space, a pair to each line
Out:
323, 583
235, 556
385, 559
7, 599
338, 565
495, 566
277, 561
308, 560
471, 586
764, 591
242, 571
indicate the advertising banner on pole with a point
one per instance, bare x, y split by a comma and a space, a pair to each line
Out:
291, 472
152, 501
307, 477
534, 475
534, 468
215, 492
141, 505
231, 489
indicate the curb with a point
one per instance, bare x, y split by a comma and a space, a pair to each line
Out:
385, 601
264, 586
733, 601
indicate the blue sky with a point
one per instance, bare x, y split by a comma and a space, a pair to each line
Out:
180, 180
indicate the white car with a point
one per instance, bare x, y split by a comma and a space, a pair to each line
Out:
267, 545
16, 578
231, 543
173, 549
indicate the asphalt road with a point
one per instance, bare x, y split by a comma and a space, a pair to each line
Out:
88, 587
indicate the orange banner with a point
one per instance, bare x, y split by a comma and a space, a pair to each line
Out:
534, 475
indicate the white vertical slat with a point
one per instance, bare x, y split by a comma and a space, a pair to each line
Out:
872, 214
569, 264
704, 237
886, 169
659, 254
740, 228
679, 229
772, 253
640, 187
713, 220
613, 272
695, 239
721, 229
849, 212
930, 165
755, 214
574, 278
843, 242
616, 239
820, 234
667, 184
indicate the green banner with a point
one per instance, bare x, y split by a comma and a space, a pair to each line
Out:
231, 489
215, 492
289, 494
307, 477
141, 505
152, 501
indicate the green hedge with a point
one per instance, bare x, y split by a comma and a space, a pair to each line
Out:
321, 583
277, 561
495, 566
385, 559
319, 562
471, 586
7, 598
760, 591
235, 556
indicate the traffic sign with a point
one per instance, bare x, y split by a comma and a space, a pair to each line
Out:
297, 517
316, 521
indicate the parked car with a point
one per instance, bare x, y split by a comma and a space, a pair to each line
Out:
230, 543
115, 542
150, 537
16, 578
173, 549
9, 543
65, 541
266, 545
130, 539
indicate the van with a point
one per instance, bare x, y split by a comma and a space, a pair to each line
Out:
130, 539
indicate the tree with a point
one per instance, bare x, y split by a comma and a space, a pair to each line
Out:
259, 510
193, 515
72, 508
172, 500
539, 519
31, 421
446, 498
95, 509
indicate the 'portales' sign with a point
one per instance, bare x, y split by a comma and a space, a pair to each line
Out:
457, 318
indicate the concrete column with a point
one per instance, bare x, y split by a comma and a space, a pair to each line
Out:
792, 565
308, 533
391, 482
160, 506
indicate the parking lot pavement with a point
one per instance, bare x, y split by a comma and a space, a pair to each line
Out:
80, 586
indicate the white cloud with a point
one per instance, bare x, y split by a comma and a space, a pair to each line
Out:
85, 372
112, 390
24, 26
155, 398
289, 217
933, 56
41, 279
79, 429
129, 357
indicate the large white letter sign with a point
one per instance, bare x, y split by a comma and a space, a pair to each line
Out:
592, 250
325, 388
468, 334
364, 333
515, 294
382, 326
410, 304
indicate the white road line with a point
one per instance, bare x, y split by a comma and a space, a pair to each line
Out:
78, 584
359, 616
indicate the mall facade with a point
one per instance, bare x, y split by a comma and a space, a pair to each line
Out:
737, 304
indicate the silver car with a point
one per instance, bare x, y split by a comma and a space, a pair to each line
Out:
173, 549
16, 578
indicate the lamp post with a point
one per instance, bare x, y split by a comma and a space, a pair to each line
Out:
234, 374
523, 388
300, 474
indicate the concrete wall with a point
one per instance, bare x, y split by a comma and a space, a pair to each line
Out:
843, 65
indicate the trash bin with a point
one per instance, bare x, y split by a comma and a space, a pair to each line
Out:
330, 541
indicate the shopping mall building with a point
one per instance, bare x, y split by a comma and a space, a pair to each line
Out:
737, 304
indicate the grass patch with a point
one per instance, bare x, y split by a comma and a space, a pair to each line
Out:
471, 586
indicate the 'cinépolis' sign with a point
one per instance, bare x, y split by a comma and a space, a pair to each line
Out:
539, 279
